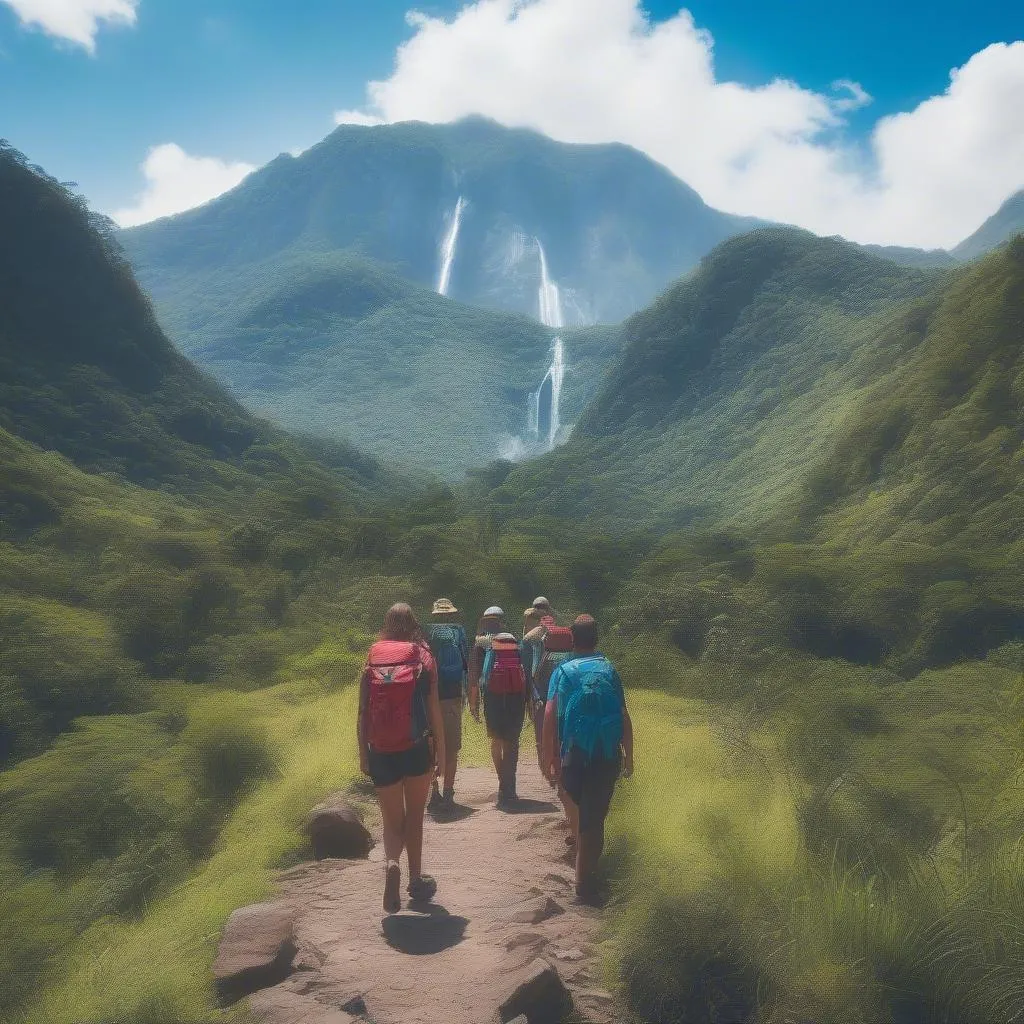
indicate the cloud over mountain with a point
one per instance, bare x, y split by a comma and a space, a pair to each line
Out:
76, 21
176, 181
602, 71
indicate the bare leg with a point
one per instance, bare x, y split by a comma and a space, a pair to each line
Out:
451, 764
589, 845
497, 755
392, 812
510, 762
572, 813
415, 792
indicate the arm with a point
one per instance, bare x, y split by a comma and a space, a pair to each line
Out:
476, 658
627, 734
549, 742
436, 720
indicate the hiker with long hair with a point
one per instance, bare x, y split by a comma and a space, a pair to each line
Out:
588, 744
497, 673
401, 745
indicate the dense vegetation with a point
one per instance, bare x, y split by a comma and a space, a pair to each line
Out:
339, 346
795, 508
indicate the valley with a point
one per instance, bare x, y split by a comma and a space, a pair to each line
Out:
788, 485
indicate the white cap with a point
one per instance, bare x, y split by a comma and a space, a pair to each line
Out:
495, 610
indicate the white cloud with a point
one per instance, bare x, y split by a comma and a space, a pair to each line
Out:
855, 98
76, 21
176, 181
601, 71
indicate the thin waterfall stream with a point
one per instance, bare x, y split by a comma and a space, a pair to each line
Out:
448, 247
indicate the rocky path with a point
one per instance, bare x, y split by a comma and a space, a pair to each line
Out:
505, 898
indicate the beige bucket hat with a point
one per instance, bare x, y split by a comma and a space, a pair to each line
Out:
442, 606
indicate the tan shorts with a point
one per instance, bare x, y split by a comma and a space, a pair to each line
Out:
451, 715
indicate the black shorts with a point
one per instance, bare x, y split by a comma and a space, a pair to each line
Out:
504, 714
387, 769
590, 785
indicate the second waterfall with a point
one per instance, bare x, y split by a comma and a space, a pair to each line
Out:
545, 412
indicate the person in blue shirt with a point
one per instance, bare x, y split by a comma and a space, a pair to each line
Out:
446, 637
588, 744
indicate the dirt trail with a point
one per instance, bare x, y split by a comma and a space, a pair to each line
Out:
455, 959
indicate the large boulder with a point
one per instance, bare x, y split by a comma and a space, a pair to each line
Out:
256, 950
539, 995
336, 830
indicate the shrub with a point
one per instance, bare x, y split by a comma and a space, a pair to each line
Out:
228, 757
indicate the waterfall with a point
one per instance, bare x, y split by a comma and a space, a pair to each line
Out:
448, 248
549, 395
549, 299
544, 419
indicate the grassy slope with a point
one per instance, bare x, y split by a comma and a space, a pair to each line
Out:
731, 385
840, 840
335, 345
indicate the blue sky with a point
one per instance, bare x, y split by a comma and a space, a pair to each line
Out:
242, 80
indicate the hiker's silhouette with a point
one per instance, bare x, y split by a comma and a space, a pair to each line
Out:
424, 929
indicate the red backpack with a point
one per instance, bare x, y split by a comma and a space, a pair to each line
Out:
395, 668
507, 675
557, 639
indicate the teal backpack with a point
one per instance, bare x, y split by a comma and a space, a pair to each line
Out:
592, 714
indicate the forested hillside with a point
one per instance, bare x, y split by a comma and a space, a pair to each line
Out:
343, 347
794, 506
731, 385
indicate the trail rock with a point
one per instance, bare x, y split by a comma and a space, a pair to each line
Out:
256, 950
540, 997
536, 910
285, 1007
525, 938
336, 830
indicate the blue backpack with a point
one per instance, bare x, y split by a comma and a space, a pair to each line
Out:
591, 715
447, 642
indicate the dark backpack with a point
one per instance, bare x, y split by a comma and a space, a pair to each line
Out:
446, 643
395, 669
507, 675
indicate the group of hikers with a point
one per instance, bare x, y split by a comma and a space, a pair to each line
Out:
413, 693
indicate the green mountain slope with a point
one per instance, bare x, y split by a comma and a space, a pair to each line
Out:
615, 227
1007, 221
339, 346
730, 384
86, 370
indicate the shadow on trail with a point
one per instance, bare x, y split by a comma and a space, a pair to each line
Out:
458, 812
527, 806
424, 929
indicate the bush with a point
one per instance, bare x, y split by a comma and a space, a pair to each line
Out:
228, 757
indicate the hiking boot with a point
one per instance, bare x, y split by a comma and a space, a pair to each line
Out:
448, 801
392, 884
435, 801
422, 889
